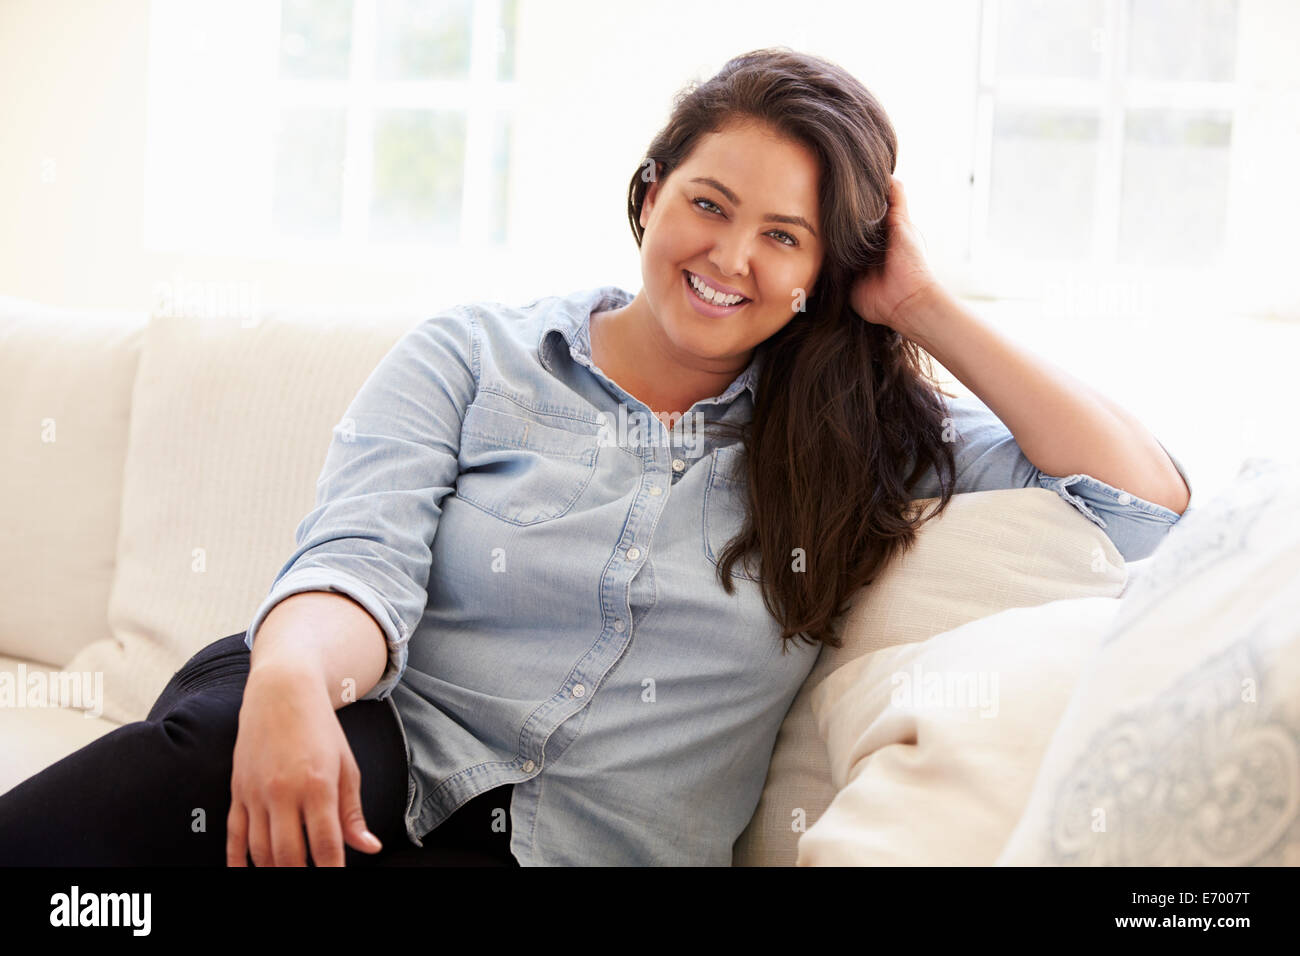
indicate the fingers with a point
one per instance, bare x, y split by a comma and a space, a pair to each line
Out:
350, 815
259, 837
274, 837
237, 835
323, 831
287, 843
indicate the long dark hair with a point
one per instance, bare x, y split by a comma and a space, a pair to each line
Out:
848, 415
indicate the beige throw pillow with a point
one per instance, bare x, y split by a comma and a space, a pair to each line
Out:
66, 377
229, 429
934, 746
989, 551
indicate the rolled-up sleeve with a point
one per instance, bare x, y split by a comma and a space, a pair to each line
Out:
392, 459
988, 458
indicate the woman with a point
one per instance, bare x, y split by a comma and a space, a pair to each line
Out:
591, 629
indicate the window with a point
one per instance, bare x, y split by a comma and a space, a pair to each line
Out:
394, 120
1104, 134
331, 130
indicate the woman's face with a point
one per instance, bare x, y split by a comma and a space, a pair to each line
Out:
741, 214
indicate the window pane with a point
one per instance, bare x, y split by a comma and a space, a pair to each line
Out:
506, 39
1041, 187
315, 39
501, 178
419, 175
423, 39
1175, 189
1049, 38
309, 171
1183, 39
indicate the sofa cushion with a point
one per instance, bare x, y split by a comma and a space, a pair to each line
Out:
1181, 744
66, 378
231, 423
989, 551
934, 745
35, 730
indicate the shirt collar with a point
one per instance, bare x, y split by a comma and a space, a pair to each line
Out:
569, 324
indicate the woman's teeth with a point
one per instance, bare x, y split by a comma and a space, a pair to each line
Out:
712, 295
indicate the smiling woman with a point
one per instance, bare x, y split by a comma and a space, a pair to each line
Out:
758, 206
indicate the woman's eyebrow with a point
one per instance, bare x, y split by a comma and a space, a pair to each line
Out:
735, 200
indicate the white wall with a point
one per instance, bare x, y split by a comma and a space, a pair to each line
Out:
72, 127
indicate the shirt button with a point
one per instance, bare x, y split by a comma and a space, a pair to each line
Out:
1125, 498
528, 766
619, 625
633, 553
579, 690
656, 490
678, 464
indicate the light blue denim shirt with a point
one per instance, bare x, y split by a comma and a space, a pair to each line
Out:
545, 579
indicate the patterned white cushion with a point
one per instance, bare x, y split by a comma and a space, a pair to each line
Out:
1181, 744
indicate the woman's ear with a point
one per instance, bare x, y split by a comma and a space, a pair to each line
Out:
651, 195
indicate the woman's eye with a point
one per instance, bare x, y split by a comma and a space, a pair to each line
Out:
786, 240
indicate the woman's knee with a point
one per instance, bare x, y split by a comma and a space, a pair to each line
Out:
223, 663
200, 731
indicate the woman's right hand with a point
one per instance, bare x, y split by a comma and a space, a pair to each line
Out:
292, 768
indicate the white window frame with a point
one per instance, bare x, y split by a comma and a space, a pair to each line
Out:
482, 97
215, 94
1111, 94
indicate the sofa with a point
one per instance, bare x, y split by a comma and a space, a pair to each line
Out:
157, 464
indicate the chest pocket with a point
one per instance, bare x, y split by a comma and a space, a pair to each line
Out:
724, 504
520, 469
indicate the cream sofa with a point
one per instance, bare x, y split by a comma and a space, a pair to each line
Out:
156, 468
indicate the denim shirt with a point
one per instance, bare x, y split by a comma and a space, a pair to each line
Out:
545, 578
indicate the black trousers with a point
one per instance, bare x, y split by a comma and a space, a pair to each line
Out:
156, 792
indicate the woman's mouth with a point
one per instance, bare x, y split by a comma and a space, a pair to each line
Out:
705, 306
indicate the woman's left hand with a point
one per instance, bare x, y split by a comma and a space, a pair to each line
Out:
882, 298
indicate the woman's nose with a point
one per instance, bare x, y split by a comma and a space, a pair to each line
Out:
730, 256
